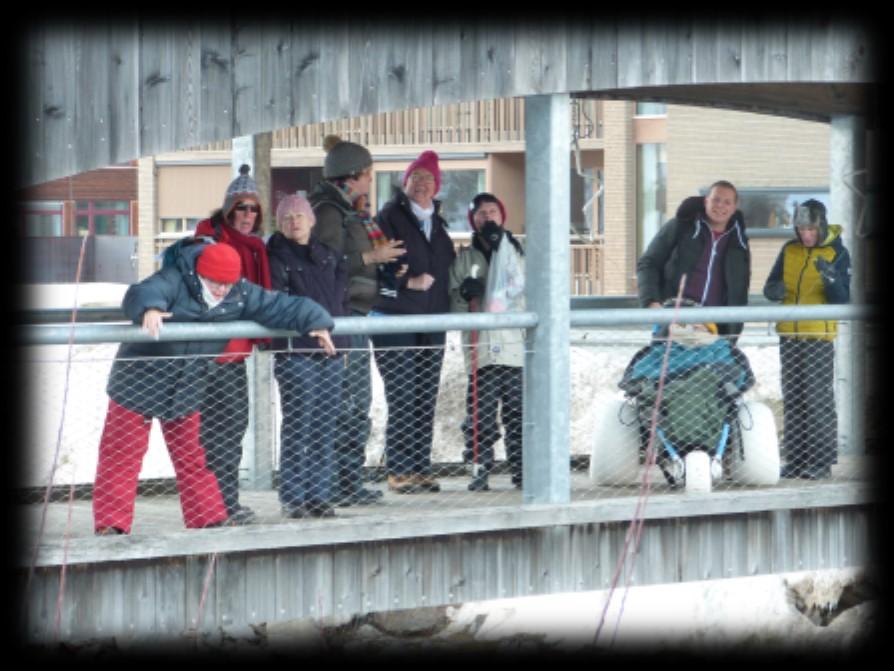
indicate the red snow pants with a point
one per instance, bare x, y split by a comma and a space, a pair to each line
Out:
124, 442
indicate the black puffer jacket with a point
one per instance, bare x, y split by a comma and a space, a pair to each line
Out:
145, 380
434, 257
315, 271
678, 246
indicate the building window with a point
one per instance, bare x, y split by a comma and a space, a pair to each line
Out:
458, 187
102, 217
651, 109
41, 218
587, 206
773, 207
651, 191
178, 226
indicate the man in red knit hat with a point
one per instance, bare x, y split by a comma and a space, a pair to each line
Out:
166, 379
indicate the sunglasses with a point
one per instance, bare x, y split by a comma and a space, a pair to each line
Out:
247, 207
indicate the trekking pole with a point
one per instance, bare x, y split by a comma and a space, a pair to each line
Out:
473, 307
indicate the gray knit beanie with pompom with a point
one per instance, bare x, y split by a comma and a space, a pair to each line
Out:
344, 159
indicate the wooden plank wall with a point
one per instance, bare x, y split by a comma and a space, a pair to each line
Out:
98, 94
162, 597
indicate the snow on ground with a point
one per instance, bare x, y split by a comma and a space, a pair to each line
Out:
761, 610
598, 359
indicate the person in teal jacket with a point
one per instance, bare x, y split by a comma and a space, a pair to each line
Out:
166, 379
812, 269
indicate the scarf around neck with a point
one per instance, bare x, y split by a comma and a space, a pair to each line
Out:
251, 249
423, 214
360, 204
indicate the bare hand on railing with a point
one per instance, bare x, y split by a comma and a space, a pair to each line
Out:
654, 304
421, 282
324, 340
391, 250
152, 321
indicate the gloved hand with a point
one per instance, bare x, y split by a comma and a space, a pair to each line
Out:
775, 291
492, 233
471, 288
825, 269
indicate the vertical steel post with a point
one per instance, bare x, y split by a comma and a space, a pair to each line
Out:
846, 179
547, 214
256, 469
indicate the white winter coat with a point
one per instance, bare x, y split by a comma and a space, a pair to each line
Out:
495, 348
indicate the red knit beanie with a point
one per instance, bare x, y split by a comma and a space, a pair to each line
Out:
428, 160
220, 263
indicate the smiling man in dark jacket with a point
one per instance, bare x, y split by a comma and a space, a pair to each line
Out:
410, 363
165, 379
706, 241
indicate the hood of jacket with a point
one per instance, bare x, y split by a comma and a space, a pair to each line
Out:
833, 235
327, 192
694, 206
692, 210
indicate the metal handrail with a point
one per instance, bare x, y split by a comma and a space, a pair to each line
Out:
56, 334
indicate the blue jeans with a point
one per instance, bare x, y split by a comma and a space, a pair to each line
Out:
310, 395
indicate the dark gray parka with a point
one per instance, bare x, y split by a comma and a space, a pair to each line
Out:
165, 379
678, 246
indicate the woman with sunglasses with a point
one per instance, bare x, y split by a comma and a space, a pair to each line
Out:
225, 404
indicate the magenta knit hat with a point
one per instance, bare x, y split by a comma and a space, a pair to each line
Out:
428, 160
294, 203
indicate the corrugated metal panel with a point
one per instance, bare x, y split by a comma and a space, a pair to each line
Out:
163, 596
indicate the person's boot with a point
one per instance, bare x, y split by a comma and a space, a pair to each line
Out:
426, 483
479, 483
403, 484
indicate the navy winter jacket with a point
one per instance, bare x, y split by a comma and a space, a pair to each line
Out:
145, 380
397, 221
313, 270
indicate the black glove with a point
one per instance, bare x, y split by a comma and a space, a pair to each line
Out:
492, 233
775, 291
471, 288
825, 269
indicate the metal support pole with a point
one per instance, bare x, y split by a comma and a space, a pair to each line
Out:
256, 469
846, 177
547, 403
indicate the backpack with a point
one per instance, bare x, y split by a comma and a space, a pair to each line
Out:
173, 251
693, 408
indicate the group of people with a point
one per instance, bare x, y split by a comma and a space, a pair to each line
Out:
703, 254
330, 257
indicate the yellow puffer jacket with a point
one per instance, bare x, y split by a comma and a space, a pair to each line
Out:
796, 269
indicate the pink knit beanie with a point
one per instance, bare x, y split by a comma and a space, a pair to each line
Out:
294, 203
428, 160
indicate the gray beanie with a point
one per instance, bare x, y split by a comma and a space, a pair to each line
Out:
241, 189
344, 159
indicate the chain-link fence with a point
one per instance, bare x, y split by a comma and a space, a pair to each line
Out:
377, 430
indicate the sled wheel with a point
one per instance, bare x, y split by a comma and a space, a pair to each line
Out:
757, 462
614, 455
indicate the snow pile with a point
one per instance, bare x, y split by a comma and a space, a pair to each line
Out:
766, 611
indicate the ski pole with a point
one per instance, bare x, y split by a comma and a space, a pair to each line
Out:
473, 307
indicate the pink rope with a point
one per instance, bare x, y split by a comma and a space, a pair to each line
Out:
46, 498
634, 531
